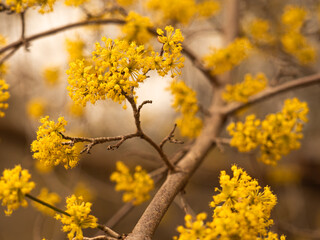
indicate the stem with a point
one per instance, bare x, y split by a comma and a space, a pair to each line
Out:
47, 205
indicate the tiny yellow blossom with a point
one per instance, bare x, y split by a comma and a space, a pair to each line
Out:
42, 168
292, 40
75, 3
294, 17
175, 11
136, 28
259, 31
50, 198
75, 48
4, 96
50, 148
185, 102
14, 185
79, 217
126, 3
82, 189
51, 75
36, 108
136, 186
172, 59
21, 5
3, 40
222, 60
76, 110
240, 92
276, 135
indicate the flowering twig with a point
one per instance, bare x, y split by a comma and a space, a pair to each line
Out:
272, 91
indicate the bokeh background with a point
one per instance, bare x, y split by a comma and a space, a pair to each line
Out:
295, 181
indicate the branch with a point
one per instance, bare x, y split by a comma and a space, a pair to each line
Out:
136, 114
272, 91
170, 138
99, 140
16, 45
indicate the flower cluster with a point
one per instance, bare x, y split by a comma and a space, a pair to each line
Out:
50, 148
259, 31
276, 135
51, 75
118, 67
241, 211
14, 185
36, 108
74, 48
21, 5
171, 59
174, 11
292, 40
240, 92
222, 60
75, 3
136, 186
4, 96
78, 218
185, 102
50, 198
136, 28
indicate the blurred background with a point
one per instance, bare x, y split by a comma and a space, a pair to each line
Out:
38, 81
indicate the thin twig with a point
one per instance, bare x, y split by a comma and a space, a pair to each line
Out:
272, 91
170, 138
109, 231
185, 206
99, 140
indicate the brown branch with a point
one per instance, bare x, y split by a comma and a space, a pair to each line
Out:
19, 43
99, 140
184, 205
109, 231
272, 91
156, 175
195, 60
136, 114
170, 138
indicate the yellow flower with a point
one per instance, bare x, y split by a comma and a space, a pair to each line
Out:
21, 5
240, 92
175, 11
292, 40
75, 49
79, 217
276, 135
36, 108
126, 2
136, 28
222, 60
84, 190
4, 96
51, 75
259, 30
185, 102
136, 186
50, 198
241, 211
117, 68
76, 110
14, 185
75, 3
293, 17
171, 59
3, 40
50, 148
